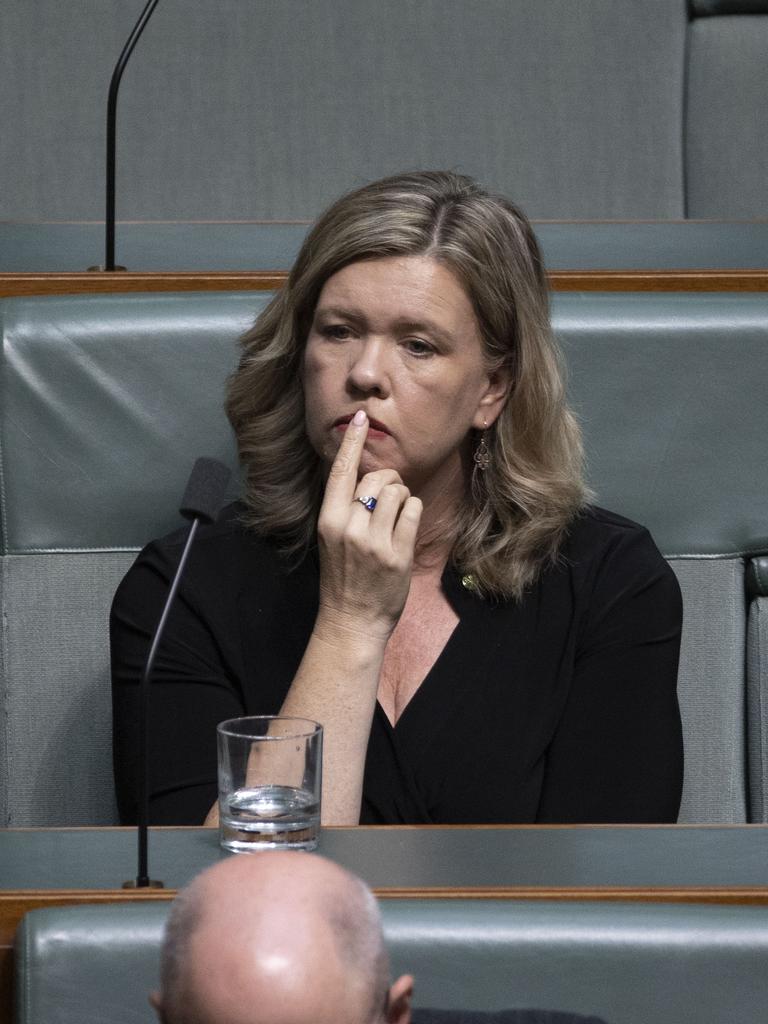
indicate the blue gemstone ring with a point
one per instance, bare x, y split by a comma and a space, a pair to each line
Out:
368, 502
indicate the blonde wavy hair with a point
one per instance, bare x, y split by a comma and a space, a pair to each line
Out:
516, 513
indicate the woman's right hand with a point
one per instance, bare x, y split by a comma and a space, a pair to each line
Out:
366, 557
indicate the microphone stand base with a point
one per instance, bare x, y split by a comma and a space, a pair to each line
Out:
152, 884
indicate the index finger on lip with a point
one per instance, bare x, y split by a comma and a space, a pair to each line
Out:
342, 478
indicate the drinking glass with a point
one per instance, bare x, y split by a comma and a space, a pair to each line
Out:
270, 770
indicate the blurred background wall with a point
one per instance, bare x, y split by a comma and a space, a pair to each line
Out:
268, 109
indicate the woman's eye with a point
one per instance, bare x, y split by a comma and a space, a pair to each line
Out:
417, 347
337, 332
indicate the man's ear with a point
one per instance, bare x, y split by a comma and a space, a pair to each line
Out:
399, 1001
157, 1005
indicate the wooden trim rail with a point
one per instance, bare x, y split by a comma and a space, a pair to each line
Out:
266, 280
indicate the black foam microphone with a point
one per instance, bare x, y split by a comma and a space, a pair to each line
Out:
201, 503
205, 490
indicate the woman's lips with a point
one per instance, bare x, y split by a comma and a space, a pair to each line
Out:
375, 427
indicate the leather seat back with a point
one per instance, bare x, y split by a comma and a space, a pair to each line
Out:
627, 963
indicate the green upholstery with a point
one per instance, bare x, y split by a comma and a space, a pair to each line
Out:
106, 403
106, 400
757, 577
627, 963
670, 387
206, 246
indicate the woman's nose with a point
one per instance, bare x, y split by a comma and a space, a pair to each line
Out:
368, 369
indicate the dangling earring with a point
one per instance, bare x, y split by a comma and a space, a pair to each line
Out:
482, 455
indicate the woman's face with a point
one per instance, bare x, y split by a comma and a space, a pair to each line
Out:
398, 337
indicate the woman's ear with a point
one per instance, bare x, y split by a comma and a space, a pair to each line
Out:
494, 398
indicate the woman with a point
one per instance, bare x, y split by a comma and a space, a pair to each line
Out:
414, 564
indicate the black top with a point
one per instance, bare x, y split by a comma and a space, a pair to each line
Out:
558, 708
500, 1017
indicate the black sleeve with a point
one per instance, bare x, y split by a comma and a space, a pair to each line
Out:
617, 754
192, 690
430, 1016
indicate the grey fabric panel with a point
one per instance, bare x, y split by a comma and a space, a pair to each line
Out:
628, 963
670, 390
270, 110
57, 763
757, 708
64, 598
105, 406
617, 245
711, 690
726, 131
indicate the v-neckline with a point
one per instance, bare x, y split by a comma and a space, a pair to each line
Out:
461, 601
424, 682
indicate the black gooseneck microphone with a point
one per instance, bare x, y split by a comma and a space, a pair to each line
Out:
114, 86
201, 503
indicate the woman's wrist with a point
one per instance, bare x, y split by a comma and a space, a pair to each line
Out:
350, 633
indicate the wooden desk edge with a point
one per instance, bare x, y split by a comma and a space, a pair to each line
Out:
71, 283
17, 902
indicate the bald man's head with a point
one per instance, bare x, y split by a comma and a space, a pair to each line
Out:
277, 938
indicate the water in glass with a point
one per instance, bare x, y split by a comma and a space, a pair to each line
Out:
270, 818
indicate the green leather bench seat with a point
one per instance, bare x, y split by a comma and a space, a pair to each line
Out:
627, 963
106, 400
